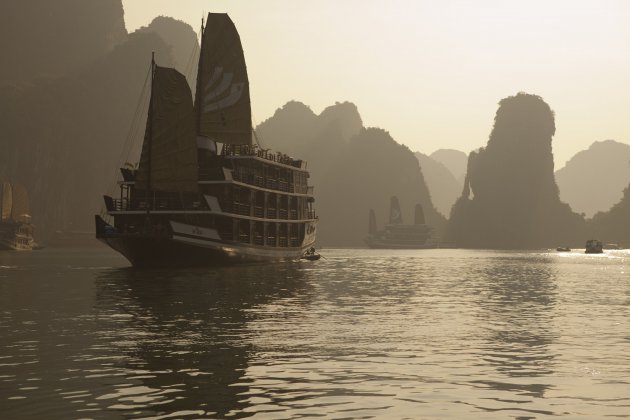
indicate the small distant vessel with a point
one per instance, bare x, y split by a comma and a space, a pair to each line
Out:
311, 255
563, 249
396, 235
613, 246
16, 230
594, 246
203, 192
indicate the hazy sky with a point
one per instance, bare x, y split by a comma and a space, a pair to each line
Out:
432, 72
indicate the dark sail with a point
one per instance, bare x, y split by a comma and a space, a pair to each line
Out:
395, 216
372, 223
21, 205
419, 215
6, 200
169, 152
222, 99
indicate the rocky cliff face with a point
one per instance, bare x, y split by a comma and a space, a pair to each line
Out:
65, 135
510, 196
42, 38
353, 169
183, 43
371, 169
296, 130
64, 138
443, 186
612, 226
594, 179
456, 161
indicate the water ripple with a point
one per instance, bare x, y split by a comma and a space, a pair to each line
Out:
361, 334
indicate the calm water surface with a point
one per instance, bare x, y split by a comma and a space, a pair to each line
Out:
361, 334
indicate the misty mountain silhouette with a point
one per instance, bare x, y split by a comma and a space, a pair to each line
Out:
612, 226
510, 196
455, 160
296, 130
63, 135
41, 38
594, 179
182, 40
443, 186
371, 169
353, 168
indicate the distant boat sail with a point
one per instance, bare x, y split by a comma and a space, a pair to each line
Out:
397, 235
16, 230
187, 204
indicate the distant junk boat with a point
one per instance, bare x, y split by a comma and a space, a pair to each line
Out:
396, 235
16, 230
186, 204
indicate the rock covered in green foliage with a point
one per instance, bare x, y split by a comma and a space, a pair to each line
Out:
510, 196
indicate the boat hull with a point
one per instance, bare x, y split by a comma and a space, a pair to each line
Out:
11, 246
12, 239
179, 251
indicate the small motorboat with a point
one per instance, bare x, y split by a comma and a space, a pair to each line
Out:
563, 249
311, 255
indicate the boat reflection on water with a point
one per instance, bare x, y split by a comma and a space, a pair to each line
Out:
182, 337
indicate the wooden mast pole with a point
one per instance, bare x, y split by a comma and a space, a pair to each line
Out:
150, 126
199, 92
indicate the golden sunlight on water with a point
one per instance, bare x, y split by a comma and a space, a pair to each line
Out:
359, 334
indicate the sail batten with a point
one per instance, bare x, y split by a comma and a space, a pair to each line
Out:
21, 205
6, 200
222, 101
169, 153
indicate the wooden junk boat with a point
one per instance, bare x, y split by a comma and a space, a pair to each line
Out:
203, 192
396, 235
16, 230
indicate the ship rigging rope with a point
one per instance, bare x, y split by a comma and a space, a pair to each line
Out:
193, 62
132, 135
257, 138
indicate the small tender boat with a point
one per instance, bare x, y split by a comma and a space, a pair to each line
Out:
311, 255
563, 249
594, 246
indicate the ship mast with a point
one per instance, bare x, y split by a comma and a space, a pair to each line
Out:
198, 93
150, 129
